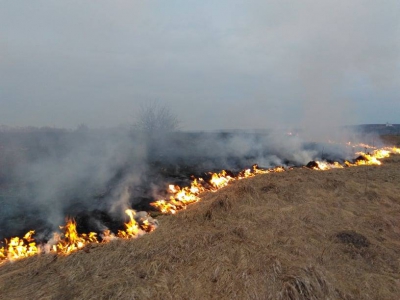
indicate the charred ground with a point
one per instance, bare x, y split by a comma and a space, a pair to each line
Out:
301, 234
48, 174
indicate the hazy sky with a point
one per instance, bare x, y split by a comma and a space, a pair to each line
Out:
218, 64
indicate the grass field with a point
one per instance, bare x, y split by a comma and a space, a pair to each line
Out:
391, 139
301, 234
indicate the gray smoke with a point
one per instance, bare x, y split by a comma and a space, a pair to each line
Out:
60, 172
309, 67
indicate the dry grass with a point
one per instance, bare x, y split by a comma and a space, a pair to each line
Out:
391, 139
297, 235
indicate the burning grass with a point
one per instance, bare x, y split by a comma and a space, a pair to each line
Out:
69, 240
180, 197
290, 235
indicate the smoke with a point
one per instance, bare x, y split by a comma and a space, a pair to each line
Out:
64, 173
99, 173
344, 41
306, 67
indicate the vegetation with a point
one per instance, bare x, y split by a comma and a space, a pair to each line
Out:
295, 235
154, 118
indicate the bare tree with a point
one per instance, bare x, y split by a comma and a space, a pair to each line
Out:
154, 117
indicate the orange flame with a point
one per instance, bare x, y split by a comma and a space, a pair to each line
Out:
323, 166
132, 227
70, 241
219, 180
181, 197
18, 248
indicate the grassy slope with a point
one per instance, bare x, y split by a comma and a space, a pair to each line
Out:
269, 237
391, 139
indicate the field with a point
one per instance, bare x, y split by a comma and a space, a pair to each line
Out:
391, 139
300, 234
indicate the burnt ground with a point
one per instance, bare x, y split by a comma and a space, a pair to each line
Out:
301, 234
46, 176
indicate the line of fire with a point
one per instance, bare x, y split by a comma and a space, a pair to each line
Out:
68, 240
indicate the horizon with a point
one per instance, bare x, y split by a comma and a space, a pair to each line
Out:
4, 127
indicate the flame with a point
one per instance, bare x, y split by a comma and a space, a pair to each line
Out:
278, 169
381, 153
147, 226
132, 229
252, 172
219, 180
187, 195
369, 159
364, 159
107, 236
179, 198
323, 165
393, 150
18, 248
3, 256
165, 206
70, 240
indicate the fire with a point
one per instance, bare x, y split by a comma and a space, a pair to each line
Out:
393, 150
373, 158
196, 187
179, 198
381, 153
363, 159
186, 195
278, 170
369, 159
18, 248
323, 165
219, 180
107, 236
70, 240
165, 206
132, 227
252, 172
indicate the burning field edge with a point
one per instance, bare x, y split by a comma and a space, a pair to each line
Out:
68, 240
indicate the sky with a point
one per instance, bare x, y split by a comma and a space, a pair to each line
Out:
216, 64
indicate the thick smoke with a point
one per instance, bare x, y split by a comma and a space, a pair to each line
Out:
64, 173
59, 173
267, 64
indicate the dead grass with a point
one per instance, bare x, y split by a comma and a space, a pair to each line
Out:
297, 235
391, 139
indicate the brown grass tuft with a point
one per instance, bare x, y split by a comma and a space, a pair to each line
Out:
304, 284
219, 206
270, 188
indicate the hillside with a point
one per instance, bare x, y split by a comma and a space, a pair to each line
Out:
301, 234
